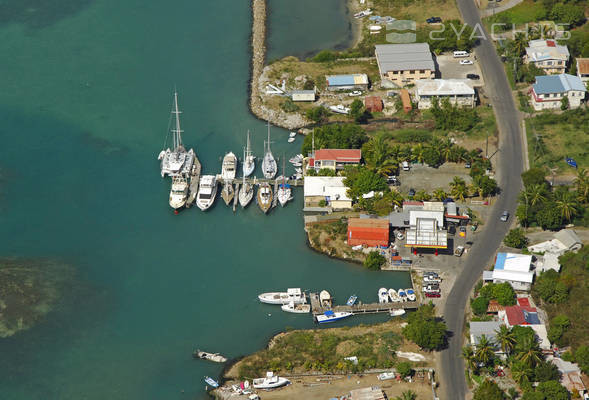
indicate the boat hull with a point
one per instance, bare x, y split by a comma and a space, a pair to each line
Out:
297, 309
262, 383
264, 197
324, 319
245, 197
280, 298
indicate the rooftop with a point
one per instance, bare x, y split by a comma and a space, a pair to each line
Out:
568, 237
328, 186
558, 84
344, 80
405, 56
341, 155
518, 315
443, 87
513, 262
583, 65
514, 276
487, 328
540, 50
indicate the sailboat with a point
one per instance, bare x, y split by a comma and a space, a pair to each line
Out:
284, 190
178, 192
246, 192
249, 160
264, 197
178, 161
228, 192
269, 163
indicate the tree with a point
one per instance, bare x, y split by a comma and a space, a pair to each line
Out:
549, 287
564, 103
521, 372
335, 136
458, 188
567, 13
484, 185
553, 390
484, 350
519, 44
582, 358
530, 353
488, 390
558, 325
404, 369
432, 156
422, 195
534, 176
469, 358
317, 114
516, 238
566, 203
537, 193
546, 371
374, 260
549, 216
361, 180
479, 305
504, 294
505, 338
407, 395
581, 183
424, 330
440, 194
358, 111
378, 156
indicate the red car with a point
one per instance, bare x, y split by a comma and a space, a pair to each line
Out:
432, 294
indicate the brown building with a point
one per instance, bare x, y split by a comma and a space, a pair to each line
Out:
369, 232
373, 103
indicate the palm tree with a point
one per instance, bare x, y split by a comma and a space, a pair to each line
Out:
469, 358
505, 338
458, 188
397, 198
407, 395
531, 354
566, 203
520, 372
417, 153
422, 195
536, 194
582, 184
484, 350
378, 156
440, 194
519, 44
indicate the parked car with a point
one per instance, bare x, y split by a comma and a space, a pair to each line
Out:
355, 93
431, 287
472, 76
467, 164
405, 165
399, 235
411, 192
458, 251
433, 294
462, 231
393, 180
433, 20
504, 216
466, 62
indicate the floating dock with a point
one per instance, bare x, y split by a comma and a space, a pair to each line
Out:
368, 308
257, 181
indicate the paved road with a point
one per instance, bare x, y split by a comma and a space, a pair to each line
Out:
453, 384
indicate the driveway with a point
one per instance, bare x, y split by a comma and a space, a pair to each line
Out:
450, 68
453, 384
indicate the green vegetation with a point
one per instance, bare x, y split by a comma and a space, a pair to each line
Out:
552, 287
455, 35
358, 112
564, 12
452, 117
502, 292
337, 136
548, 147
425, 330
324, 351
374, 261
516, 238
361, 180
558, 326
404, 369
289, 106
489, 390
479, 305
317, 114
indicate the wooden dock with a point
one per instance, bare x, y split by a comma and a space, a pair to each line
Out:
256, 181
369, 308
235, 199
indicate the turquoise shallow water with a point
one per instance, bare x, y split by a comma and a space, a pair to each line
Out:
84, 108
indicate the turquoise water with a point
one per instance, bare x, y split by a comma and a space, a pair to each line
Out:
84, 109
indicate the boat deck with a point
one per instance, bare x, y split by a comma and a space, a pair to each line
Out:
367, 308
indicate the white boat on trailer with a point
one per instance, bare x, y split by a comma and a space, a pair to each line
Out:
294, 295
331, 316
271, 381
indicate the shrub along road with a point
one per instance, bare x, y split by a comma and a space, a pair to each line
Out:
510, 165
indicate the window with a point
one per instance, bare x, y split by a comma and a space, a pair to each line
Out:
548, 62
422, 71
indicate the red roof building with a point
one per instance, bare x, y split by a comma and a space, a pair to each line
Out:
368, 232
335, 158
406, 99
373, 103
518, 315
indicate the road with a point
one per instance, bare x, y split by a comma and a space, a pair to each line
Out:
510, 162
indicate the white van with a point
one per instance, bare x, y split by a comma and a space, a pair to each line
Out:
460, 53
405, 165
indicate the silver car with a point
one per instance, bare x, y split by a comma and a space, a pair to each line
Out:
504, 216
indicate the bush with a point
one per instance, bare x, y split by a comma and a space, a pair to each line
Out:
516, 238
502, 292
549, 287
374, 260
404, 369
337, 136
479, 305
317, 114
488, 390
451, 117
324, 56
424, 330
582, 358
361, 180
534, 176
289, 106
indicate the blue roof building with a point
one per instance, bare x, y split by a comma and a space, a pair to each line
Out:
347, 82
549, 90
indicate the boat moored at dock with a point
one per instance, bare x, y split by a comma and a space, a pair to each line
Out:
211, 382
296, 308
229, 167
351, 300
228, 192
330, 316
325, 299
178, 192
269, 167
294, 295
383, 295
249, 160
207, 192
397, 313
264, 197
394, 296
410, 295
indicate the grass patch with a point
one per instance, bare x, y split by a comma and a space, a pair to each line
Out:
559, 136
417, 10
525, 12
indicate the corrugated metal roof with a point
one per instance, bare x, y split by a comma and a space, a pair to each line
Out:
541, 50
369, 223
328, 186
341, 155
558, 84
443, 87
344, 80
403, 57
513, 262
583, 65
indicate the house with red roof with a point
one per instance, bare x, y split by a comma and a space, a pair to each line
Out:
369, 232
523, 314
335, 159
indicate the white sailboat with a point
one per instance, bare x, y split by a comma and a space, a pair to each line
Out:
178, 192
284, 190
269, 163
206, 192
177, 161
246, 192
249, 160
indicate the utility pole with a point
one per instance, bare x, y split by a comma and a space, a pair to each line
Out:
487, 145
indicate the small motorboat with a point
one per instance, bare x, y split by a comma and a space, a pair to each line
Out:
216, 357
271, 381
430, 278
296, 308
340, 109
330, 316
397, 313
383, 295
402, 295
386, 375
351, 300
411, 295
296, 159
294, 295
290, 140
394, 296
325, 299
211, 382
292, 134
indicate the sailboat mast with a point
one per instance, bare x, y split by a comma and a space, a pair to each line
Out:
268, 135
177, 132
248, 150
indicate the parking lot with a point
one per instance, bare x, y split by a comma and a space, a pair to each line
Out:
450, 68
422, 177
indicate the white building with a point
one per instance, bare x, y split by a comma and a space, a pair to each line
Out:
302, 95
548, 91
514, 269
331, 189
547, 55
458, 91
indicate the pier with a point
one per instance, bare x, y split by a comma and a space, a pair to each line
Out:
368, 308
256, 181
